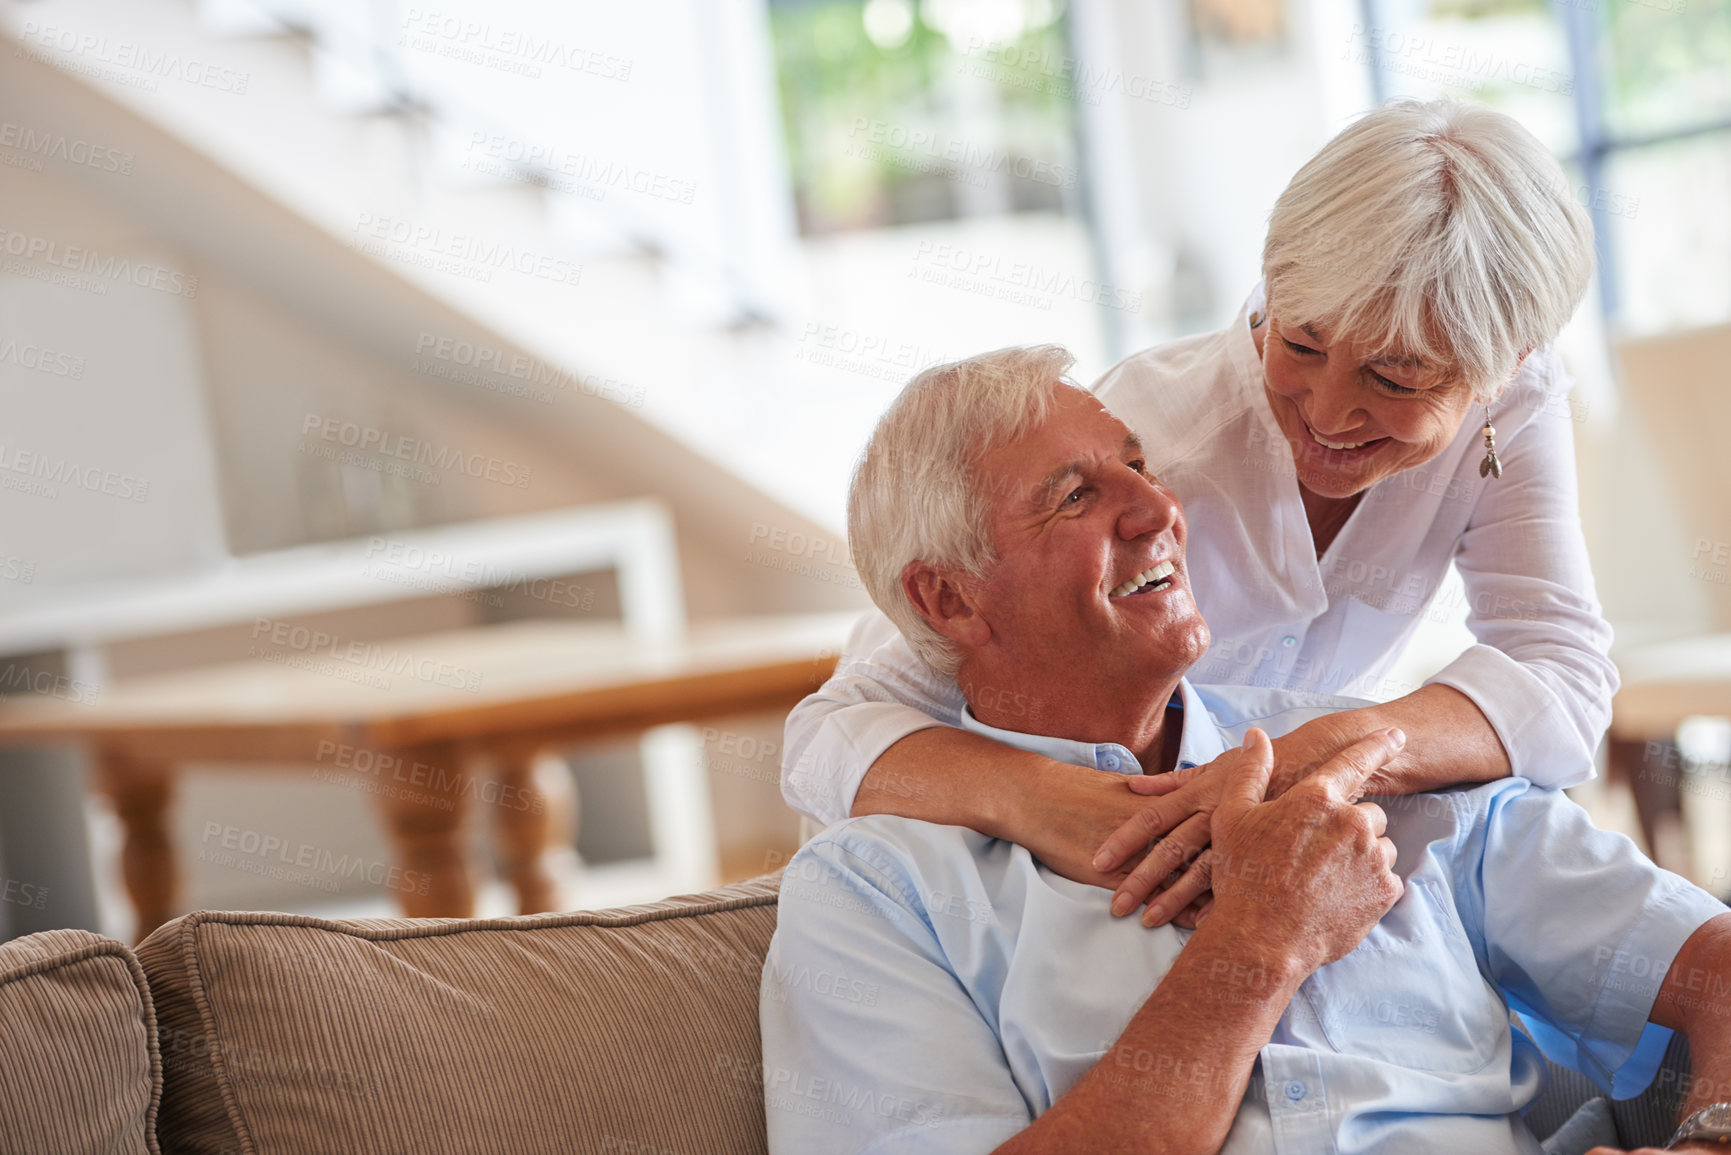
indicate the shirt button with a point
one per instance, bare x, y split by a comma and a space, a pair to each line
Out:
1295, 1090
1109, 760
1289, 640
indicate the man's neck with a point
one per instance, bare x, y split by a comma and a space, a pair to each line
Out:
1147, 728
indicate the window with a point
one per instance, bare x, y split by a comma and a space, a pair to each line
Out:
1634, 96
899, 114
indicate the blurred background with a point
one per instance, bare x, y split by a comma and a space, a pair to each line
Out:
342, 339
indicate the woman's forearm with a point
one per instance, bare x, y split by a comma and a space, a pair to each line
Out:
1059, 812
951, 777
1449, 741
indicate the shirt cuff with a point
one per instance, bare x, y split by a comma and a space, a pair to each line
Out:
853, 737
1543, 745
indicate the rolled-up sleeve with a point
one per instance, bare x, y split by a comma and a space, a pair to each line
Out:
1541, 673
1578, 929
880, 693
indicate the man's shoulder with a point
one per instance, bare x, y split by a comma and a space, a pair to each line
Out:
873, 831
901, 859
1236, 708
1464, 807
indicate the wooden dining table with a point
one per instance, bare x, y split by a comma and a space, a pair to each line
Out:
444, 715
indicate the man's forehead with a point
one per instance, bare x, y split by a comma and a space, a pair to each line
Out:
1079, 412
1071, 465
1076, 431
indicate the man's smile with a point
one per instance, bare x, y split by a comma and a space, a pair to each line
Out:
1152, 580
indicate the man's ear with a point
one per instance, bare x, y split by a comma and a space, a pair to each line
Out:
944, 600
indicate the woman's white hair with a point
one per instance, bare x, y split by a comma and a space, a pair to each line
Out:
918, 494
1438, 230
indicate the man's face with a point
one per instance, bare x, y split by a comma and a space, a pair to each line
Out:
1079, 524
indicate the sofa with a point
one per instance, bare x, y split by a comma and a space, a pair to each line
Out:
630, 1031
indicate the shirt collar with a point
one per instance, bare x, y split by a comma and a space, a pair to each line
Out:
1240, 345
1199, 743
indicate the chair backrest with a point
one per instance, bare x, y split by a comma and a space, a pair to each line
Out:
1680, 386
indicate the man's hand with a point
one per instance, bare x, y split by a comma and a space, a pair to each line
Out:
1172, 831
1312, 871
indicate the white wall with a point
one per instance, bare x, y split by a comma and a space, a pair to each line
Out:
106, 464
1209, 168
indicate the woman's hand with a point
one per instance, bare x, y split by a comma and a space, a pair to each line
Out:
1063, 813
1171, 831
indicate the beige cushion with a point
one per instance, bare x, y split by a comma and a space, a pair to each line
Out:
78, 1068
630, 1031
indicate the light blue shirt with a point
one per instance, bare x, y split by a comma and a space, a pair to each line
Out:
932, 989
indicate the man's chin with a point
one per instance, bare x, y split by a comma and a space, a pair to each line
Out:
1181, 637
1174, 648
1196, 643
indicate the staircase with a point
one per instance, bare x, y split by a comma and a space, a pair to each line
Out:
598, 186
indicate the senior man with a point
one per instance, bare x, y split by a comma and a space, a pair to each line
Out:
933, 989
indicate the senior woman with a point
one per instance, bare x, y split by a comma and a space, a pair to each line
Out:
1387, 402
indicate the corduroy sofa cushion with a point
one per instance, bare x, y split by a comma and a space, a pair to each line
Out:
631, 1031
78, 1063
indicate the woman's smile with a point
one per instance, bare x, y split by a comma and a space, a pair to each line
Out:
1353, 448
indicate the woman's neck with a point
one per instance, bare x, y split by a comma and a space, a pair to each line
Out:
1326, 515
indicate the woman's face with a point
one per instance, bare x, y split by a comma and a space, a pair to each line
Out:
1351, 419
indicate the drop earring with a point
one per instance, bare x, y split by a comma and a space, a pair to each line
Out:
1490, 466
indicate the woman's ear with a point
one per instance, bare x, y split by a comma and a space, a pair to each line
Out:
1513, 373
945, 600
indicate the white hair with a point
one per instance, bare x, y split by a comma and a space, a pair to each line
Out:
1437, 230
917, 494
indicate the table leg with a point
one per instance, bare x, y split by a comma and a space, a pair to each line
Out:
1654, 773
426, 828
521, 824
140, 790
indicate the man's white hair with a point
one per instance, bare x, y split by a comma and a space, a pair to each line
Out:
1437, 230
918, 493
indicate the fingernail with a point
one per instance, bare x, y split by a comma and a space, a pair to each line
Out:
1154, 915
1121, 905
1397, 736
1245, 745
1102, 861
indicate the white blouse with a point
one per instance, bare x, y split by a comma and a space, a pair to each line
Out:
1282, 617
